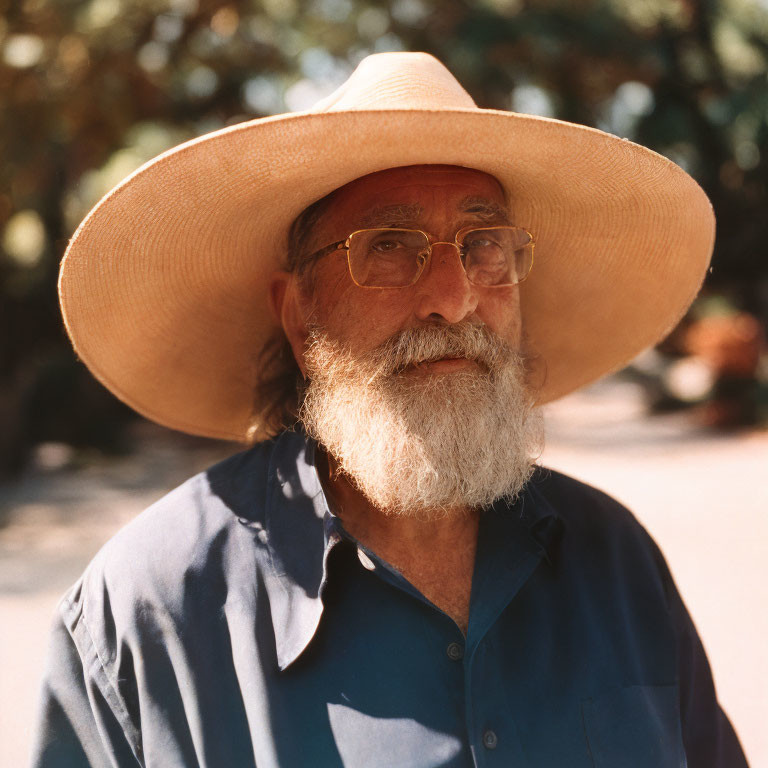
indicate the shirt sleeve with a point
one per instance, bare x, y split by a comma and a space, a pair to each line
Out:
708, 736
81, 722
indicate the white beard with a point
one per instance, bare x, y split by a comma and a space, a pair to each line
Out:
425, 446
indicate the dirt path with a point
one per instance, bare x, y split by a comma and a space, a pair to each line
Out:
704, 499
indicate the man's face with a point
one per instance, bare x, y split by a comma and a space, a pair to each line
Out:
419, 393
439, 200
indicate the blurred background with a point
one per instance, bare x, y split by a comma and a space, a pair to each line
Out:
91, 90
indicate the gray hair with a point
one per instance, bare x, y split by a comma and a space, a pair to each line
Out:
279, 387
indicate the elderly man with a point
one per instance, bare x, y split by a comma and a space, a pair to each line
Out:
389, 580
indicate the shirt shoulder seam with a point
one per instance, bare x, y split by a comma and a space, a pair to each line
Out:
95, 667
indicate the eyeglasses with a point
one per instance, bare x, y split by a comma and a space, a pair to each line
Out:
395, 258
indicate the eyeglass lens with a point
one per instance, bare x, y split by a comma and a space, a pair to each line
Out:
391, 258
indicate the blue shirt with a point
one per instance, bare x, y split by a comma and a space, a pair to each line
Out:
236, 624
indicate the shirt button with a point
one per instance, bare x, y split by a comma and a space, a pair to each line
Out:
455, 651
490, 740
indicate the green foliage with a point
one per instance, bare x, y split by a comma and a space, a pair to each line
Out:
90, 90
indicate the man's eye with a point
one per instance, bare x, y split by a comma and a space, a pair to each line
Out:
383, 246
480, 242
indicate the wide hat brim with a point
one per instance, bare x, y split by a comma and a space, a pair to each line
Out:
164, 285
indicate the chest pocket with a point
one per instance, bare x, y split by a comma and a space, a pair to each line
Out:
635, 727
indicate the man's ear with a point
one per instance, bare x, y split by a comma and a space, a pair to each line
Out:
288, 310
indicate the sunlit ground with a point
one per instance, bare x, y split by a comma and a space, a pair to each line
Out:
703, 497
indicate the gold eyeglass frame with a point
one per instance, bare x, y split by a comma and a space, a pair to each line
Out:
343, 245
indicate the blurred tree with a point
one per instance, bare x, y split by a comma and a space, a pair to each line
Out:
91, 89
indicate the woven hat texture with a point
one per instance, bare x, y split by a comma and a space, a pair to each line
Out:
163, 287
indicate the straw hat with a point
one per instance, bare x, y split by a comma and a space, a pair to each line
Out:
164, 285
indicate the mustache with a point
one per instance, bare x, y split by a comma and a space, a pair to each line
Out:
423, 344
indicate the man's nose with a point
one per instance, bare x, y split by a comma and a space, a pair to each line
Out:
445, 293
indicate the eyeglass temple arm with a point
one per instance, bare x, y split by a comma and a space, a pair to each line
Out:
325, 250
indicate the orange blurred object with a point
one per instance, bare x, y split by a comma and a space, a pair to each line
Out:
730, 344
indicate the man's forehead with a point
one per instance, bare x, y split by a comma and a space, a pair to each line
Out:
390, 198
477, 206
396, 195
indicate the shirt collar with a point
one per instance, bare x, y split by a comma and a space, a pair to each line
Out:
301, 532
535, 512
